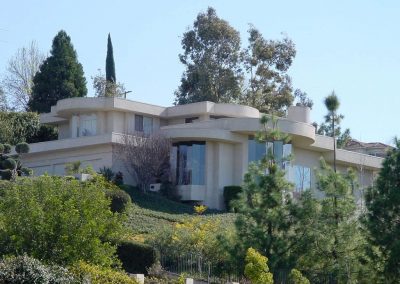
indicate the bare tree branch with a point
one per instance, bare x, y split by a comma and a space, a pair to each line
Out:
145, 157
21, 69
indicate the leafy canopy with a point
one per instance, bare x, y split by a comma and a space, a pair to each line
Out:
212, 60
58, 220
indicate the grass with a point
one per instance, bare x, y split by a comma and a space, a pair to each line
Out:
151, 212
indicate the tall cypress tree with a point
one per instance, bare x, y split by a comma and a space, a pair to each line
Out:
110, 65
60, 76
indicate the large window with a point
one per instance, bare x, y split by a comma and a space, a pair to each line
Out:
87, 125
188, 163
256, 150
302, 178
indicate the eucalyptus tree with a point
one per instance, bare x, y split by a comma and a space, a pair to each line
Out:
211, 55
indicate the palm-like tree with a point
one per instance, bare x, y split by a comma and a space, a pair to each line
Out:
332, 104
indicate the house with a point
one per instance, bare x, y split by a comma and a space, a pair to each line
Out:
212, 143
377, 149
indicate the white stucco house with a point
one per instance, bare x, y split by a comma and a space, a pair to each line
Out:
212, 143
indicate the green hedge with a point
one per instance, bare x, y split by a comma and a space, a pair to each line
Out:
231, 192
136, 257
119, 200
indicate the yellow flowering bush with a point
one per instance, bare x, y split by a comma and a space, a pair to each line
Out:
256, 268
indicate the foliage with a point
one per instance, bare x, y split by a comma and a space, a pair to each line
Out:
383, 214
73, 168
332, 120
303, 99
295, 277
212, 60
136, 257
231, 193
99, 275
200, 209
105, 88
107, 173
4, 105
24, 269
146, 157
269, 88
268, 216
18, 80
119, 178
256, 268
10, 164
196, 235
58, 220
336, 245
110, 65
59, 77
120, 200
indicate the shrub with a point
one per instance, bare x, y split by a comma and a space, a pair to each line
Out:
119, 200
24, 269
7, 148
107, 173
9, 164
256, 268
136, 257
231, 193
93, 274
58, 220
1, 148
119, 178
295, 277
22, 148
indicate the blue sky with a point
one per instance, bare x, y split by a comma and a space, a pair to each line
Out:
352, 47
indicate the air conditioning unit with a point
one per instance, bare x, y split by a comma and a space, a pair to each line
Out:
155, 187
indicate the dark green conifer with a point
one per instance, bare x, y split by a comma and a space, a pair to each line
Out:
60, 76
110, 65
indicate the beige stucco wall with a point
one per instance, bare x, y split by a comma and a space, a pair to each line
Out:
54, 162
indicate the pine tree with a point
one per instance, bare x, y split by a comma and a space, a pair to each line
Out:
60, 76
110, 65
383, 215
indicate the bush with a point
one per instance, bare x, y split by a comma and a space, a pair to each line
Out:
93, 274
7, 148
24, 269
119, 178
256, 268
107, 173
136, 257
58, 220
119, 200
1, 148
231, 193
9, 164
22, 148
295, 277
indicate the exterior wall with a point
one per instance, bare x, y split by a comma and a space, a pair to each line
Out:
226, 152
64, 131
54, 163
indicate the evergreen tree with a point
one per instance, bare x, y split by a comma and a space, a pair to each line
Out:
110, 65
212, 60
335, 242
268, 218
60, 76
383, 216
269, 88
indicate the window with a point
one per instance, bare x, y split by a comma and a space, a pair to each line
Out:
257, 151
143, 124
188, 163
191, 119
302, 178
87, 125
139, 123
